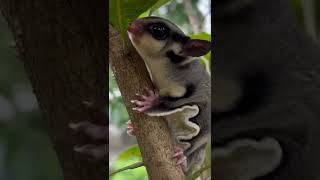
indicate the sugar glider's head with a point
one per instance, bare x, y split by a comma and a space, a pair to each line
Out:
155, 37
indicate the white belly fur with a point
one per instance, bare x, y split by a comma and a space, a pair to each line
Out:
158, 73
178, 119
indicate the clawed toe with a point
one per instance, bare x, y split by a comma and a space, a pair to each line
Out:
96, 132
181, 161
179, 156
130, 128
145, 102
95, 152
88, 104
92, 130
141, 109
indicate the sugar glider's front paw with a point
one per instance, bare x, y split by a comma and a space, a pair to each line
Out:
146, 102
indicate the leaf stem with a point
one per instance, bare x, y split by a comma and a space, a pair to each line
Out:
132, 166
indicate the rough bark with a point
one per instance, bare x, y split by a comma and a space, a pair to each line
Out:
63, 46
152, 132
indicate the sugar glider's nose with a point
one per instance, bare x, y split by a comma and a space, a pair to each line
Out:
136, 27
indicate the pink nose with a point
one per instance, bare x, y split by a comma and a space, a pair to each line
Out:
136, 27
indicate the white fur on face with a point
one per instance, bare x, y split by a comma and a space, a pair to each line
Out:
146, 45
153, 52
150, 51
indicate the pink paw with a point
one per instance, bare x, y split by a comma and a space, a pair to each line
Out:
130, 129
146, 102
180, 158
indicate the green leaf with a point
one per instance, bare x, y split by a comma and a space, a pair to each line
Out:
132, 174
208, 56
202, 36
132, 152
297, 8
145, 14
132, 166
122, 12
158, 4
208, 154
206, 63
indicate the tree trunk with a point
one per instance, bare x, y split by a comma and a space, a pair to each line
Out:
63, 46
152, 132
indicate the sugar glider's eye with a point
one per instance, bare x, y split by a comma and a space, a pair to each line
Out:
159, 31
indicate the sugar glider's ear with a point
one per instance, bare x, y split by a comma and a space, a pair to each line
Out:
196, 47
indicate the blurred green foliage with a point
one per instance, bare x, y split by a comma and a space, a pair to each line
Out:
132, 152
130, 156
118, 114
135, 174
24, 144
296, 5
308, 14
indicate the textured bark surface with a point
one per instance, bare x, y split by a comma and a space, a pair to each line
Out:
64, 49
152, 132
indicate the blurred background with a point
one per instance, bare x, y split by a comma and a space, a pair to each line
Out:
25, 149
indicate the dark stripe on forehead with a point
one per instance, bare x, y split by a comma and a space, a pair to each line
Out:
176, 59
157, 19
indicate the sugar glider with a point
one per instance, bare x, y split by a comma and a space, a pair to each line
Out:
182, 86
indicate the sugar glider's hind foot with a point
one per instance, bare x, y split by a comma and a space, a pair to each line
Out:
195, 160
131, 131
94, 131
94, 152
179, 157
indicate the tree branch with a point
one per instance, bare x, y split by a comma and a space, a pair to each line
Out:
152, 132
132, 166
